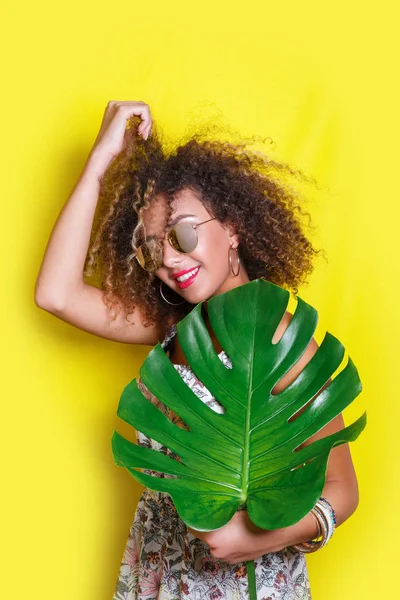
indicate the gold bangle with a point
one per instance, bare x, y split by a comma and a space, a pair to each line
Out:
324, 523
319, 530
312, 546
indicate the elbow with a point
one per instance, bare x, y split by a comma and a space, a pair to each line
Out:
354, 494
348, 510
48, 302
350, 502
354, 500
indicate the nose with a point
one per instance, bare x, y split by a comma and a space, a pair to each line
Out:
170, 256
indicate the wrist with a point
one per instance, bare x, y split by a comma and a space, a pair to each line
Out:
97, 163
304, 530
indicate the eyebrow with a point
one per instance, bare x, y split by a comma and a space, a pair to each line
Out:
172, 223
178, 218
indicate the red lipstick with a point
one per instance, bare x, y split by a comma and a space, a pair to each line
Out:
175, 275
187, 282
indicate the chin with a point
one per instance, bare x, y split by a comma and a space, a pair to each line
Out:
196, 297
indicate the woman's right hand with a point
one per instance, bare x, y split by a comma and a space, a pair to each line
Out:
110, 139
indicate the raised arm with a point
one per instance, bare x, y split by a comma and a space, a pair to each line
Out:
60, 287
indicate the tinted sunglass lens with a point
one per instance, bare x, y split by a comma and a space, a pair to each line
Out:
183, 238
149, 256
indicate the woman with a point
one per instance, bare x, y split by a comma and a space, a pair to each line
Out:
172, 230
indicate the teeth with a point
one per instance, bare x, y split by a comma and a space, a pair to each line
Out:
187, 275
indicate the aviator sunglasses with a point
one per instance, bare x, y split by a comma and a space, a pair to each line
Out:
182, 237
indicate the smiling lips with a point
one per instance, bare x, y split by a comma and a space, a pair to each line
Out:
185, 280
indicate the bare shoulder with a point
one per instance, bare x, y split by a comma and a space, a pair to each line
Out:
311, 349
340, 466
287, 317
283, 325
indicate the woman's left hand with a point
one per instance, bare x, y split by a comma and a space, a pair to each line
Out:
240, 540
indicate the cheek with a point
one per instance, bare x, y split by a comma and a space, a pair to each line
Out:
212, 251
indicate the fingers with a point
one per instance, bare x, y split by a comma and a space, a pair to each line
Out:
110, 139
126, 109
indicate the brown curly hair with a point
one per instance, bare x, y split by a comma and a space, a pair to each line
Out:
240, 187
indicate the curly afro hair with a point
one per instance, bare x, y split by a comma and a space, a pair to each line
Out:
240, 187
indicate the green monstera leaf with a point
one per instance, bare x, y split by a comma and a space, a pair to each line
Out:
245, 457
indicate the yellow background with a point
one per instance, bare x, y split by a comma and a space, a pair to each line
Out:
321, 80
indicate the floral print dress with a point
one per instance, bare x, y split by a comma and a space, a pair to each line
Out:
164, 561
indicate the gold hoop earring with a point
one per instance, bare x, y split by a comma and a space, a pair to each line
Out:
230, 260
167, 301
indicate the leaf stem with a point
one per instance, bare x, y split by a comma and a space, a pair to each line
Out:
251, 578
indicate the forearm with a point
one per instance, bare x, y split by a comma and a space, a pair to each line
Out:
62, 267
241, 540
344, 503
306, 529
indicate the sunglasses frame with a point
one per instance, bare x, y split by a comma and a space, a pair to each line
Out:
167, 236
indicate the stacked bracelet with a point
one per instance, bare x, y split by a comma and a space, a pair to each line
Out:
325, 517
